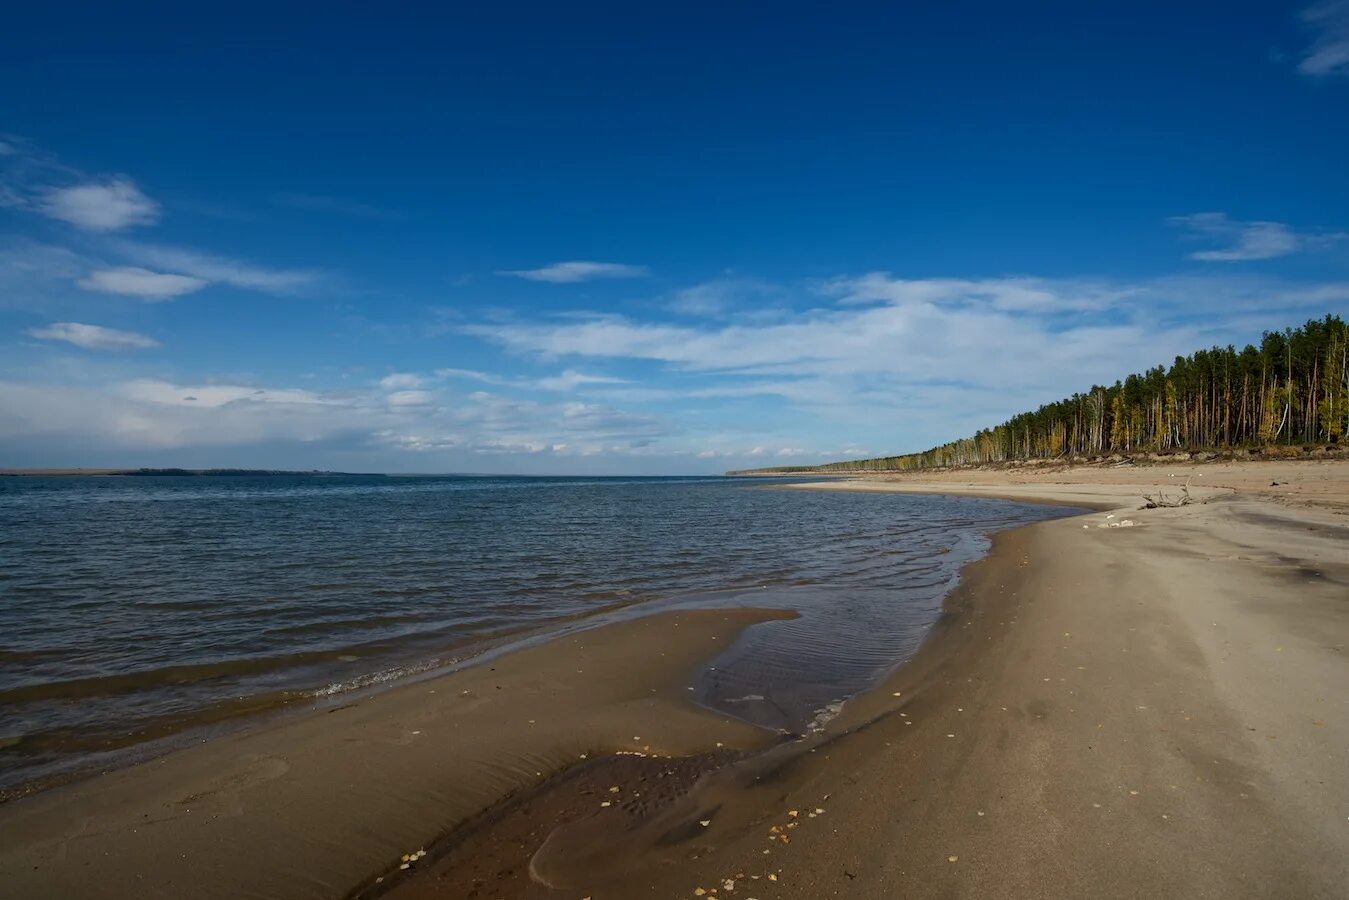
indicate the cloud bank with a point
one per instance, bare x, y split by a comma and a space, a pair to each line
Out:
892, 363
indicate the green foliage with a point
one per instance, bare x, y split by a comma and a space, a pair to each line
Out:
1293, 388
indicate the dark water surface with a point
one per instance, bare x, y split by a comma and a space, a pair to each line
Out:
132, 608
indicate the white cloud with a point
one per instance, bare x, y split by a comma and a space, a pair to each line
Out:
1329, 51
709, 299
891, 363
1025, 295
928, 359
399, 381
758, 452
93, 337
100, 206
211, 396
571, 380
722, 296
156, 414
39, 183
143, 283
150, 414
411, 398
218, 269
472, 375
568, 272
568, 380
1251, 240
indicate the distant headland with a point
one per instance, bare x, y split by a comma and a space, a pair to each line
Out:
252, 473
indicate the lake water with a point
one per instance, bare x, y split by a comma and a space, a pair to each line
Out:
133, 608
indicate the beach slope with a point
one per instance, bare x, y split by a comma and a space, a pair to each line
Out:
1159, 708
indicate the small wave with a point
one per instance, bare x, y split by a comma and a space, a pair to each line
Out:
384, 676
153, 679
824, 715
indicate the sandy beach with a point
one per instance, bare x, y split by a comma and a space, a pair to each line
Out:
318, 805
1123, 703
1106, 711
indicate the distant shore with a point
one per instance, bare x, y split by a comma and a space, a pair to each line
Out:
224, 473
1122, 703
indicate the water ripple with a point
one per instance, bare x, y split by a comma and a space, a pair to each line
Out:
133, 606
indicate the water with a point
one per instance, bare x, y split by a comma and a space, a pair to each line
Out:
133, 608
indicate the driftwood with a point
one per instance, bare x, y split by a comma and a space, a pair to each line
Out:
1163, 501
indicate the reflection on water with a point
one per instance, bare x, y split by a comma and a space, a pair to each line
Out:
132, 607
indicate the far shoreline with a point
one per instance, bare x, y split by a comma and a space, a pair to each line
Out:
172, 472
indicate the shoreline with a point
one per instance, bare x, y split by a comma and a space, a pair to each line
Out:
981, 768
1102, 711
118, 744
318, 803
274, 710
889, 779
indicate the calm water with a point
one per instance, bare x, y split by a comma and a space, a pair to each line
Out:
131, 608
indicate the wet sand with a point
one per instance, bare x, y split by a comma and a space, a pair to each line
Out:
1157, 710
319, 805
1160, 708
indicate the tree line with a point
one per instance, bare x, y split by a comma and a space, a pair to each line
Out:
1291, 389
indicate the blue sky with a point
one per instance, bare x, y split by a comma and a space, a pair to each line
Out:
620, 239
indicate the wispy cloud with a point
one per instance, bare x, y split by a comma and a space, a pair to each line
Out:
110, 205
143, 283
892, 363
941, 355
571, 380
568, 272
1013, 294
93, 337
211, 396
411, 398
721, 296
38, 183
568, 380
219, 269
472, 375
1246, 241
397, 381
1329, 50
155, 414
35, 275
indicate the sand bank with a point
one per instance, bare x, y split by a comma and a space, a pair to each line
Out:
315, 806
